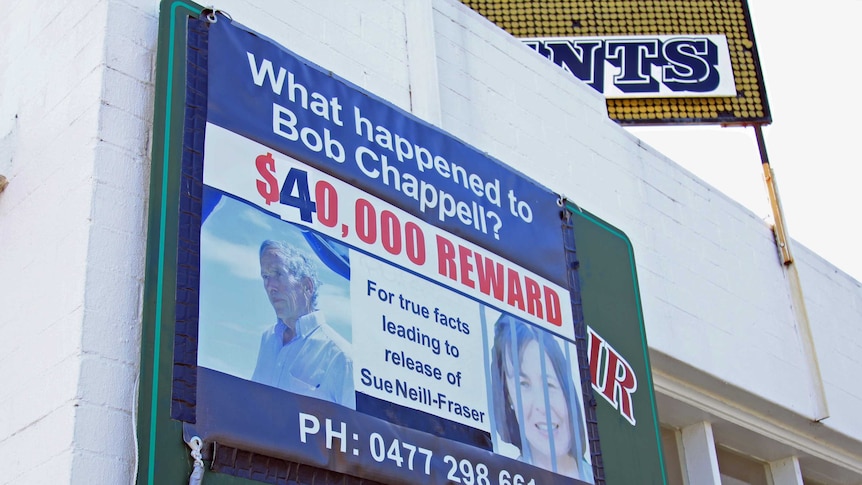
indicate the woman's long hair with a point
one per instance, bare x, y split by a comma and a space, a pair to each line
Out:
511, 337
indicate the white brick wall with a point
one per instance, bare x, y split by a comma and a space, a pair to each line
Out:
76, 96
834, 302
74, 121
48, 122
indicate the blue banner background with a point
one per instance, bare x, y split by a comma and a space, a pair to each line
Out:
236, 103
266, 419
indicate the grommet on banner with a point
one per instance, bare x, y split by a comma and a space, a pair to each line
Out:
209, 14
563, 202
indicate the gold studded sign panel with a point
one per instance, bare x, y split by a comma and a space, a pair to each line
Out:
656, 61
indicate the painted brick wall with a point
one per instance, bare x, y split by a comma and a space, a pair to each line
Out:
104, 439
75, 112
834, 303
48, 123
76, 96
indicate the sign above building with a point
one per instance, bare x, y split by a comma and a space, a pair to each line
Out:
655, 62
661, 66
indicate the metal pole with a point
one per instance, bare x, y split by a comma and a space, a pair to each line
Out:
820, 406
780, 229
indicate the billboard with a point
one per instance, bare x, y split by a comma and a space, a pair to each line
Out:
656, 62
356, 291
429, 286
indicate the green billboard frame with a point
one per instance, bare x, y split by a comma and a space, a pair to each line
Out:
611, 305
162, 454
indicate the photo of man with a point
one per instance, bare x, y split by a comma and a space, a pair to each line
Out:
300, 353
274, 303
